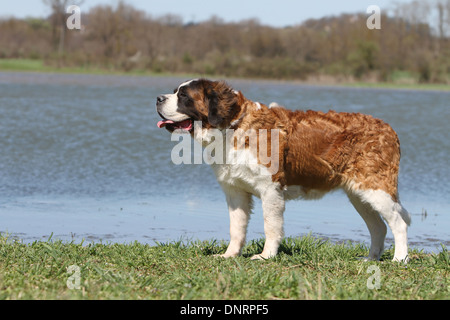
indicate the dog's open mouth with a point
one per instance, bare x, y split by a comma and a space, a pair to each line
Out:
186, 125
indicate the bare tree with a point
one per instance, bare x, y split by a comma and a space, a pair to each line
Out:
58, 16
443, 15
415, 43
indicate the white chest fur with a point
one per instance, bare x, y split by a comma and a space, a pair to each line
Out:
248, 177
240, 168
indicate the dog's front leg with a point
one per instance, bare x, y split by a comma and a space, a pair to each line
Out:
239, 206
273, 209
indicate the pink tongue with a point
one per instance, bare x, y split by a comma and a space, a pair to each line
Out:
162, 124
186, 124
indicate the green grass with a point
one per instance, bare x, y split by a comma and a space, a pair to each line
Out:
22, 65
306, 268
29, 65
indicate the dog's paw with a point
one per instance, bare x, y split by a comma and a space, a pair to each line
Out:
403, 260
367, 259
225, 256
363, 259
259, 257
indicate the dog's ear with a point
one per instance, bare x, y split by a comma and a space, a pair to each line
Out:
214, 118
223, 104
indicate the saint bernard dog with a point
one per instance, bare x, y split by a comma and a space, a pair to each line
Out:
316, 153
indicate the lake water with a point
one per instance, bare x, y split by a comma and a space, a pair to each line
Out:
81, 157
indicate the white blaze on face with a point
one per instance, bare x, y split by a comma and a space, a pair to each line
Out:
185, 84
169, 110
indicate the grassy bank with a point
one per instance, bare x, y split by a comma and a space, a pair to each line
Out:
306, 268
28, 65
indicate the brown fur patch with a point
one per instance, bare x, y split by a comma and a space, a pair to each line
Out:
328, 150
317, 150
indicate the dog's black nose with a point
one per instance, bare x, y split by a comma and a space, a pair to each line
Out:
161, 99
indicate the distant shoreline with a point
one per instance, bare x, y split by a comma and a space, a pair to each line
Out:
38, 66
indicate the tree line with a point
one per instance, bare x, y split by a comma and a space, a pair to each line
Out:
414, 40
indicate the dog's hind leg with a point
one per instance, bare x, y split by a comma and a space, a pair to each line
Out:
375, 224
398, 220
380, 203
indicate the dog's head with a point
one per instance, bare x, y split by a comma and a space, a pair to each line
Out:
214, 103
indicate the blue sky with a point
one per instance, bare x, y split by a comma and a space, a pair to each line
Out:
275, 13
